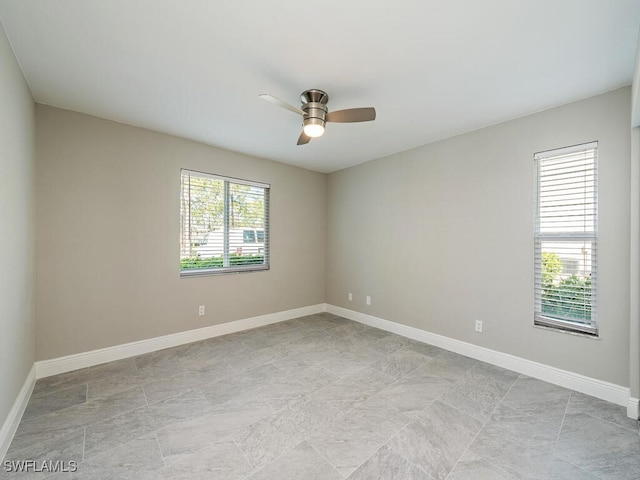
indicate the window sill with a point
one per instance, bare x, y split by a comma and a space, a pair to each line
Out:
568, 332
222, 271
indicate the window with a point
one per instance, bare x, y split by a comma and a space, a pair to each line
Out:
219, 218
566, 238
249, 236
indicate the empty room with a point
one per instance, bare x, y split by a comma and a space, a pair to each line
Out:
354, 240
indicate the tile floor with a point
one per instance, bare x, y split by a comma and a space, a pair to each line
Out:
318, 397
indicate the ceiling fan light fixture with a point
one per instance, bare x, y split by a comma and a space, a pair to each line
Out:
313, 127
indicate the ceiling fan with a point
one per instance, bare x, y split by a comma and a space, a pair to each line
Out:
315, 113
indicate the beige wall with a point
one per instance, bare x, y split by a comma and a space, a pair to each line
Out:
439, 236
442, 235
107, 246
17, 221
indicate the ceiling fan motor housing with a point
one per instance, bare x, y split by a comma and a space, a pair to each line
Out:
314, 114
314, 106
314, 96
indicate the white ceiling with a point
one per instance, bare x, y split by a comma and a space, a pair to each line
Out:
432, 68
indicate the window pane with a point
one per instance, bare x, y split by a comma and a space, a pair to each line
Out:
247, 210
566, 280
249, 236
567, 194
202, 217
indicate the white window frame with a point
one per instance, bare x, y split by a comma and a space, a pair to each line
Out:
226, 264
588, 326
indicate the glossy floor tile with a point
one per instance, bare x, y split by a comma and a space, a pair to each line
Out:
317, 397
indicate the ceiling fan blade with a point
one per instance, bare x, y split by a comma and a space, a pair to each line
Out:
303, 139
281, 103
352, 115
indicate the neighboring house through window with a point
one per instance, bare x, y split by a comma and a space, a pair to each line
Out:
224, 224
566, 238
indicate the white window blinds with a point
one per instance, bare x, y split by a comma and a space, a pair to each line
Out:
566, 238
224, 224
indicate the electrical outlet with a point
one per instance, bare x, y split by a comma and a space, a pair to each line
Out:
350, 296
201, 310
368, 300
479, 326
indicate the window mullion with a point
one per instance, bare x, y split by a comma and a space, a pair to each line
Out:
227, 223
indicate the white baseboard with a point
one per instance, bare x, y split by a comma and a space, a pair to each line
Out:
596, 388
55, 366
633, 408
10, 425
